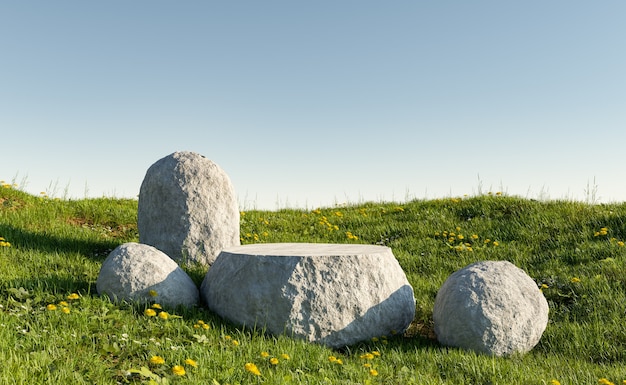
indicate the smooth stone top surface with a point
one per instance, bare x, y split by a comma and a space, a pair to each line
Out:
305, 249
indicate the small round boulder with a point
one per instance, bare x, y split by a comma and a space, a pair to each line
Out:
141, 273
490, 307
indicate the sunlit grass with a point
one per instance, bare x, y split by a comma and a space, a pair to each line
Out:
55, 329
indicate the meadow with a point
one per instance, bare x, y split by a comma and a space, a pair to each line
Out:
54, 328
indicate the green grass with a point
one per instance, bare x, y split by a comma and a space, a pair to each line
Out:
56, 247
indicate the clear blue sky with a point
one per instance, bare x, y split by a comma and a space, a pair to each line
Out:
314, 103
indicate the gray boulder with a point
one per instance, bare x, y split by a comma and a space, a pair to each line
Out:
331, 294
136, 272
491, 307
188, 208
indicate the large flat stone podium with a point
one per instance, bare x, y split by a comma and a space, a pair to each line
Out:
332, 294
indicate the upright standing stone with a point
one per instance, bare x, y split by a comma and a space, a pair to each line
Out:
188, 208
490, 307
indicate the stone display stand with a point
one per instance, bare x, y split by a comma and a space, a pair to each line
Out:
332, 294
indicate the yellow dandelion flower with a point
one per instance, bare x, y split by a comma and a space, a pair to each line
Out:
339, 361
332, 358
153, 293
265, 354
555, 382
252, 368
605, 381
164, 315
191, 362
285, 356
373, 372
178, 370
620, 243
496, 243
51, 307
474, 236
367, 365
63, 303
196, 326
73, 296
574, 280
376, 353
205, 326
156, 306
274, 361
367, 356
157, 360
149, 312
65, 310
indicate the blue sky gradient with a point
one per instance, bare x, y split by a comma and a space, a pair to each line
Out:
312, 104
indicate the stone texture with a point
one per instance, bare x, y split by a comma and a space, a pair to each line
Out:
132, 270
331, 294
188, 208
491, 307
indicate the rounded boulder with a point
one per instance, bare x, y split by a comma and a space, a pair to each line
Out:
491, 307
140, 273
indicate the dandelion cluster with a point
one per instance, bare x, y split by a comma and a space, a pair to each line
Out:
604, 233
4, 243
178, 370
457, 241
7, 185
254, 228
326, 223
274, 361
156, 310
63, 305
200, 324
368, 357
351, 236
231, 340
335, 360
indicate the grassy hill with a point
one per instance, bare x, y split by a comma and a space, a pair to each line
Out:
54, 328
